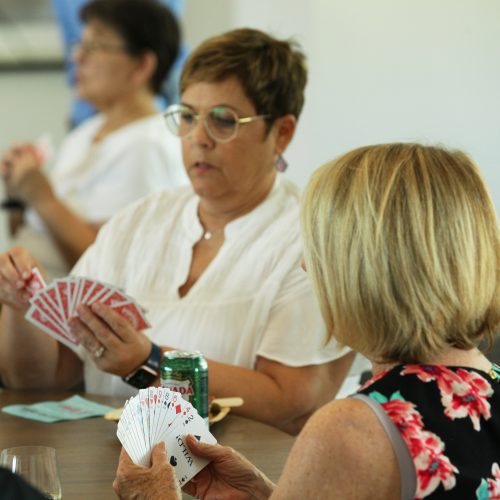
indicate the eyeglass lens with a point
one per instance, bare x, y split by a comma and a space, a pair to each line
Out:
220, 122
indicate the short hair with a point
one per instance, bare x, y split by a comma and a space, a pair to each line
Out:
402, 247
145, 26
272, 72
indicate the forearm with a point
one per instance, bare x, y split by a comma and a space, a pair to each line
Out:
16, 220
264, 398
28, 357
71, 233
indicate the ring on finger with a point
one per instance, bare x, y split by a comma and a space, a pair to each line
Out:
99, 352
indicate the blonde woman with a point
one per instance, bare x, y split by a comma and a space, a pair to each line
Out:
402, 246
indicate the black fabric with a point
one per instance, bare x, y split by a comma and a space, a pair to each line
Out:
435, 407
13, 487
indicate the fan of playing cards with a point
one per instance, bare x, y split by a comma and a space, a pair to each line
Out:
53, 305
158, 414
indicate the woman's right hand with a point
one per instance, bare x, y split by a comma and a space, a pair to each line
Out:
229, 475
15, 273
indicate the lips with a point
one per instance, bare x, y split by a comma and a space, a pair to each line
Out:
202, 166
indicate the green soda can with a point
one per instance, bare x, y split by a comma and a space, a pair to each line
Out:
187, 373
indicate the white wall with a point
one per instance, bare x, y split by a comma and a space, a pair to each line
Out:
381, 71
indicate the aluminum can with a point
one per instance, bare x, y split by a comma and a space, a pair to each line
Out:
187, 373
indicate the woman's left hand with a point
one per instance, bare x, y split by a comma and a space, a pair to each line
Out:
141, 483
115, 345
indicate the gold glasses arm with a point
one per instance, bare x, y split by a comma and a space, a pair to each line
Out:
249, 119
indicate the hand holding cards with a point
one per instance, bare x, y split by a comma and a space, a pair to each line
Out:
158, 414
52, 306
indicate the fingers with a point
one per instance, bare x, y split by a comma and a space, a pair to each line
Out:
117, 323
86, 334
124, 458
204, 450
15, 272
159, 455
100, 326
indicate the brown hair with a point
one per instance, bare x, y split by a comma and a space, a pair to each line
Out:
145, 25
272, 72
403, 249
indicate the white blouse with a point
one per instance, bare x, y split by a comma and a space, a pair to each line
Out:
252, 300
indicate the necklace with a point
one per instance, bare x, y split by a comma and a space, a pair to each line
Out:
208, 235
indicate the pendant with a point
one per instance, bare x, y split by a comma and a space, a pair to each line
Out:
207, 235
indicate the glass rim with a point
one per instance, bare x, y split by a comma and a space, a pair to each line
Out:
174, 125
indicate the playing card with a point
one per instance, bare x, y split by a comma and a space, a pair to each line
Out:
45, 308
39, 319
58, 302
129, 310
36, 282
158, 414
185, 464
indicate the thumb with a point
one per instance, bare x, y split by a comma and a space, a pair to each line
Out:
159, 454
204, 450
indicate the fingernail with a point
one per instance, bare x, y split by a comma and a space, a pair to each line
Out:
26, 275
19, 284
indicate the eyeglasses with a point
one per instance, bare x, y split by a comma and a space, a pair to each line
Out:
221, 122
91, 47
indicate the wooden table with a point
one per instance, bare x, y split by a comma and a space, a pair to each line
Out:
87, 450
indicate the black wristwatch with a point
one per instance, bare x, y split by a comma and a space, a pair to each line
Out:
148, 372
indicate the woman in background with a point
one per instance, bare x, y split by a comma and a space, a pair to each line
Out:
114, 158
403, 249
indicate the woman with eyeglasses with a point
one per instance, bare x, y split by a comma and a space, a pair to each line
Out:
216, 265
112, 159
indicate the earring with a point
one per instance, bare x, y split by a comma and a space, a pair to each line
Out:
281, 165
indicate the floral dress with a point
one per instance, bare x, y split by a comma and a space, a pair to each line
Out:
449, 419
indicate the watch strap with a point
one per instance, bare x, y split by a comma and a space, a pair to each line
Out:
148, 372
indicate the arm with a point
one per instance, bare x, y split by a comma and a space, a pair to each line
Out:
277, 394
29, 358
21, 168
274, 393
344, 450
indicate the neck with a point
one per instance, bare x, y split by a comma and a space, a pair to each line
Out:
214, 214
124, 111
451, 356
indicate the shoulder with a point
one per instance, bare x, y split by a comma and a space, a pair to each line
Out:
344, 447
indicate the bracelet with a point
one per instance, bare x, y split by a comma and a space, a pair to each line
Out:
12, 204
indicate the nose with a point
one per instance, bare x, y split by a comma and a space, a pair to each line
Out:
199, 134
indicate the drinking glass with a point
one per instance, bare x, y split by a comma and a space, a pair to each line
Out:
37, 465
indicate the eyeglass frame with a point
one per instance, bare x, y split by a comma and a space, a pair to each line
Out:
174, 108
91, 47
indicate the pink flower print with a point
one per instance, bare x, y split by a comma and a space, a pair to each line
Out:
433, 466
489, 488
468, 397
408, 421
494, 483
372, 380
428, 373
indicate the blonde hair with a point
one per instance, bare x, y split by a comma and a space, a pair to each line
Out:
402, 246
